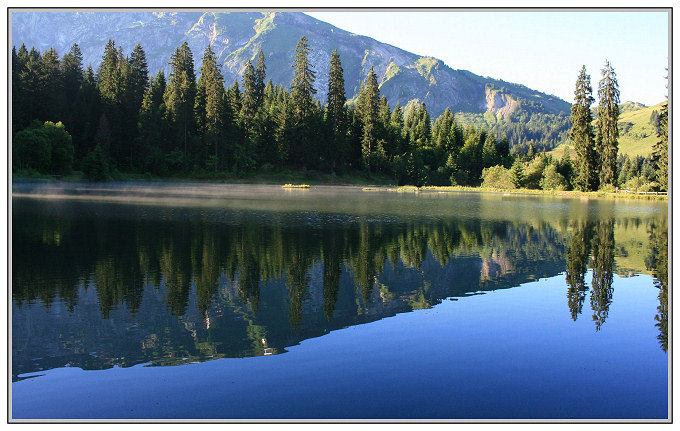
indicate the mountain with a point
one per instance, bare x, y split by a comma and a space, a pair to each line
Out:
237, 37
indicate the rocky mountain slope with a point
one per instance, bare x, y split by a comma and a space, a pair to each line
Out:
236, 37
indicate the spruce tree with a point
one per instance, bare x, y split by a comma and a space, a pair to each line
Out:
108, 74
440, 133
302, 104
139, 77
260, 76
50, 85
250, 99
72, 71
489, 152
180, 94
607, 125
336, 108
213, 101
586, 175
302, 86
660, 151
153, 126
368, 109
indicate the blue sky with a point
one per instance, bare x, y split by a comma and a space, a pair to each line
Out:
542, 50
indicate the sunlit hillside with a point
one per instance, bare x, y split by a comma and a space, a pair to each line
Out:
637, 131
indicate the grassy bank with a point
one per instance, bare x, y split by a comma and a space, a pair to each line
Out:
569, 193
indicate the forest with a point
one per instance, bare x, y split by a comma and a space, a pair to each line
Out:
118, 122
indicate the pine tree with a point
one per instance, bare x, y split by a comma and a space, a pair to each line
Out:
153, 126
19, 114
302, 104
396, 127
260, 76
517, 173
336, 108
139, 77
213, 101
607, 125
660, 152
441, 137
503, 150
87, 111
368, 109
302, 86
582, 135
50, 85
180, 92
108, 74
250, 100
72, 71
489, 152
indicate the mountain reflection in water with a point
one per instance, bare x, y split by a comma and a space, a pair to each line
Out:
101, 284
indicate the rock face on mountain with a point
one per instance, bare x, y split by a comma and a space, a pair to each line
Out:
236, 37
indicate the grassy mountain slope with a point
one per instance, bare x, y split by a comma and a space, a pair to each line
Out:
637, 131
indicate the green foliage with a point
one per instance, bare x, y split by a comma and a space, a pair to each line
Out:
607, 125
47, 148
125, 124
517, 173
95, 166
497, 177
180, 94
552, 179
62, 147
639, 184
533, 172
586, 175
335, 113
660, 152
368, 109
32, 149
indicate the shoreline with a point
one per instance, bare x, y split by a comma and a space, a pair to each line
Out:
364, 187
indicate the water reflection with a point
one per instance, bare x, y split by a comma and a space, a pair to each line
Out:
96, 285
657, 262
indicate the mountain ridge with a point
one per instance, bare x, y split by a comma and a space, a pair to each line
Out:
236, 37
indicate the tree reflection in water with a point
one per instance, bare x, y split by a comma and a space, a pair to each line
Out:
252, 285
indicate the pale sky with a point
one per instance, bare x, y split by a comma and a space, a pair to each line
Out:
542, 50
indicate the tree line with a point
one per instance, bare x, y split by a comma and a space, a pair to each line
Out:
120, 120
598, 164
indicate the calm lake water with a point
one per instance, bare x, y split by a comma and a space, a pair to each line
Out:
247, 302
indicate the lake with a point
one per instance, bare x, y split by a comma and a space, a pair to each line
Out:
218, 301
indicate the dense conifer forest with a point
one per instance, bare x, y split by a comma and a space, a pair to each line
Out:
119, 121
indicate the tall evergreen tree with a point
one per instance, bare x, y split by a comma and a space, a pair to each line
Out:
369, 100
108, 74
586, 176
211, 92
50, 85
336, 108
139, 77
153, 126
260, 76
72, 72
251, 98
660, 151
607, 125
180, 92
489, 152
302, 90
